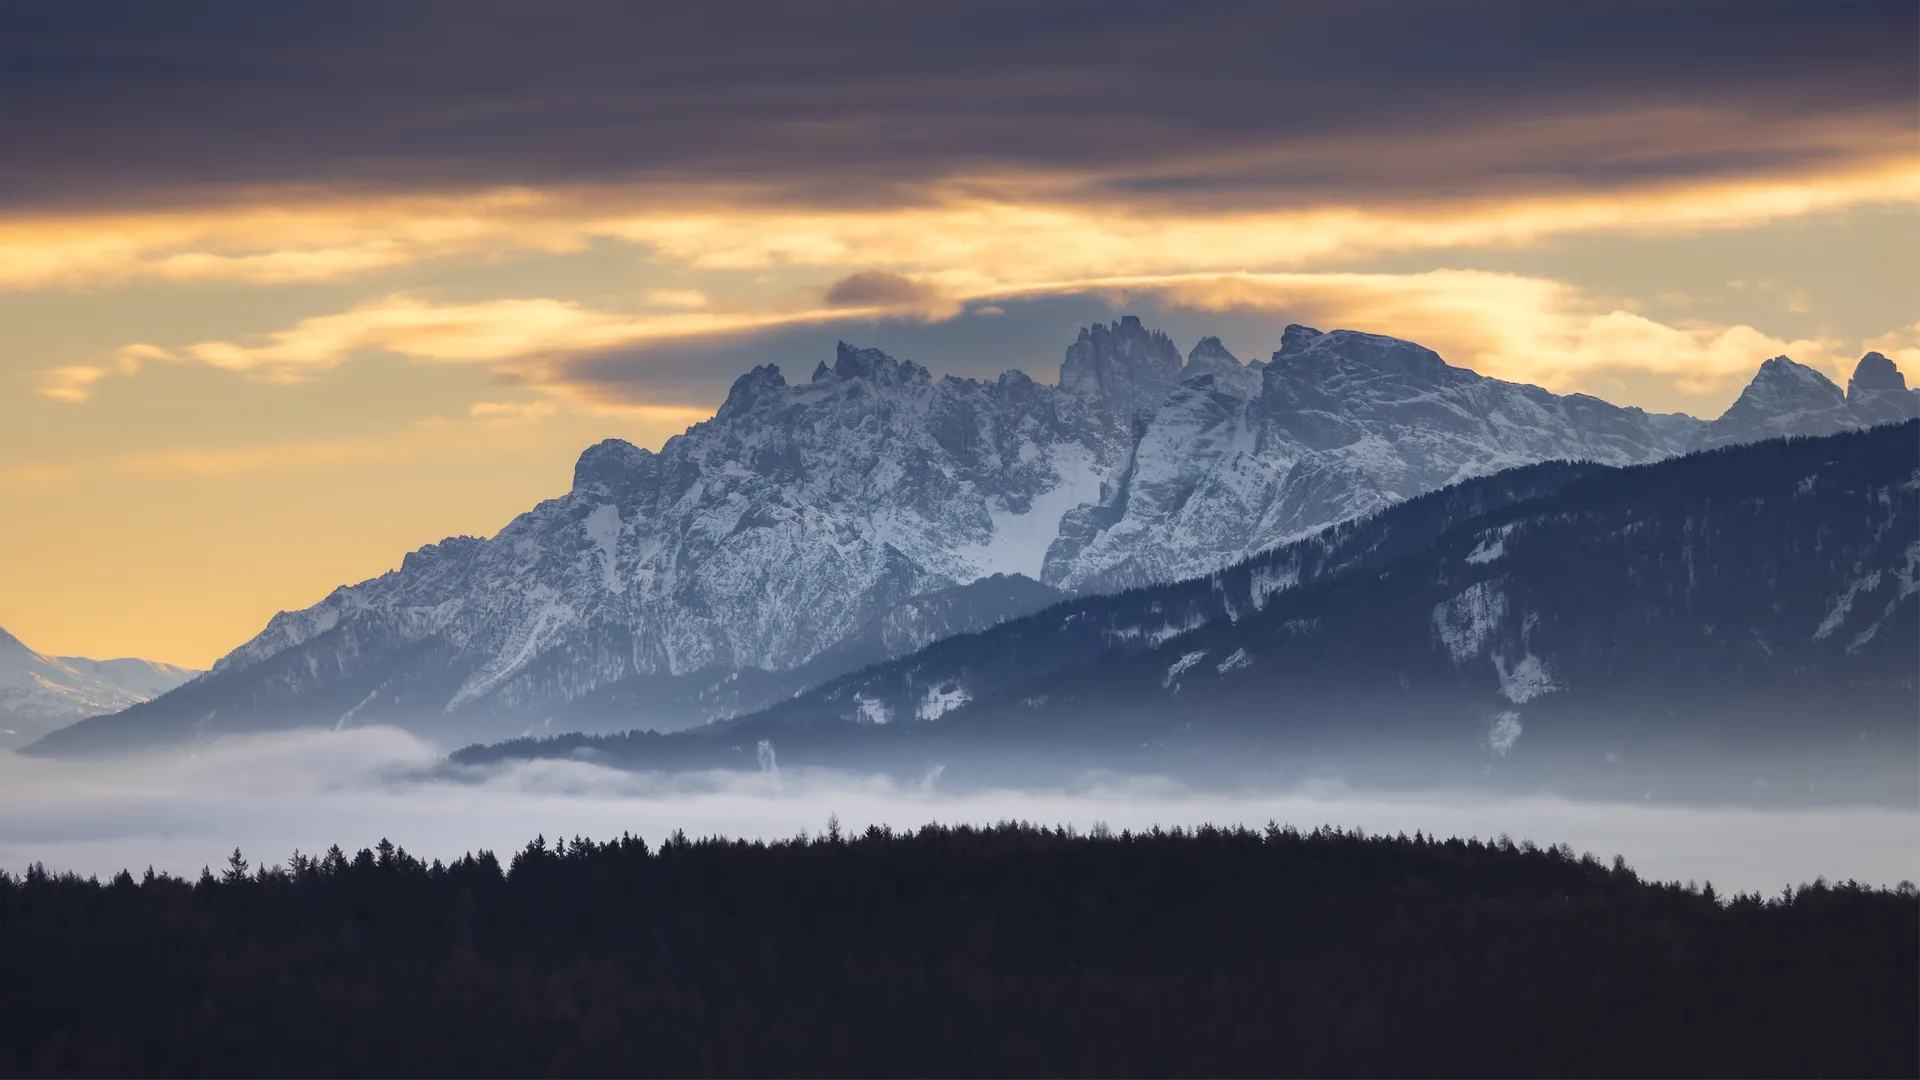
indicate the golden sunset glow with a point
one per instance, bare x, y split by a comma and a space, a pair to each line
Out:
225, 392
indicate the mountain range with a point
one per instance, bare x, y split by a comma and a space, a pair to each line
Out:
810, 530
41, 693
1753, 610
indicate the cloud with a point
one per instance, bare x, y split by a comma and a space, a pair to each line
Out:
1519, 328
950, 239
73, 383
845, 104
1528, 329
1902, 346
880, 289
522, 338
272, 793
277, 237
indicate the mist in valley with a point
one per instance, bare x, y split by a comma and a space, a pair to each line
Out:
269, 795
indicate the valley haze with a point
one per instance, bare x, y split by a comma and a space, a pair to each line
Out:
271, 794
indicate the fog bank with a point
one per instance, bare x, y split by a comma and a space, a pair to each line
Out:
271, 794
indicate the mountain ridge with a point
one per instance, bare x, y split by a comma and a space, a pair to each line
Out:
40, 693
1742, 617
706, 579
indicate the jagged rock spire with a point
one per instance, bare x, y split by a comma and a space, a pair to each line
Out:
1123, 365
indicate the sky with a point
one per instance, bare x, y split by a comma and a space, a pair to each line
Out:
290, 290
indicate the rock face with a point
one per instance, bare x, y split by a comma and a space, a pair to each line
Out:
1878, 394
39, 693
1123, 369
1763, 602
1338, 425
809, 529
1786, 398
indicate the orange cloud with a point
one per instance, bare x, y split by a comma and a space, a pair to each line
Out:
957, 237
1510, 326
519, 336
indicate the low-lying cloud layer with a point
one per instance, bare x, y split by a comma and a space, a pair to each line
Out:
269, 795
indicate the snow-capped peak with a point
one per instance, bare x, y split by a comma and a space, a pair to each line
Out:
799, 517
39, 693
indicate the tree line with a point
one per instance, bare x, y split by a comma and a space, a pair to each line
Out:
949, 951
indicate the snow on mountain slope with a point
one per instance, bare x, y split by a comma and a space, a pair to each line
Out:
793, 519
39, 693
1336, 426
1761, 597
663, 586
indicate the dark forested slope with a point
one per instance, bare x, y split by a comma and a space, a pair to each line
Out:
956, 952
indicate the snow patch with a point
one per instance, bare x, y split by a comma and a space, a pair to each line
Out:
1906, 583
1529, 679
1504, 733
1171, 630
603, 528
1492, 546
1466, 622
546, 621
1843, 605
1234, 662
871, 710
1020, 541
1187, 661
1267, 580
941, 700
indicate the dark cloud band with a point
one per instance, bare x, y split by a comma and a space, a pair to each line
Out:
112, 104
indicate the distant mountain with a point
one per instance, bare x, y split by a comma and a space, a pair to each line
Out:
808, 530
39, 693
1758, 603
1786, 398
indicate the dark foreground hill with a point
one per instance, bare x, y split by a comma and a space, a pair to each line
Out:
956, 952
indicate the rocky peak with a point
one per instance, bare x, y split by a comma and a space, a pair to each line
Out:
1295, 338
763, 383
1875, 372
855, 363
1784, 398
452, 549
1210, 359
1210, 355
1335, 358
1877, 393
608, 465
1124, 365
